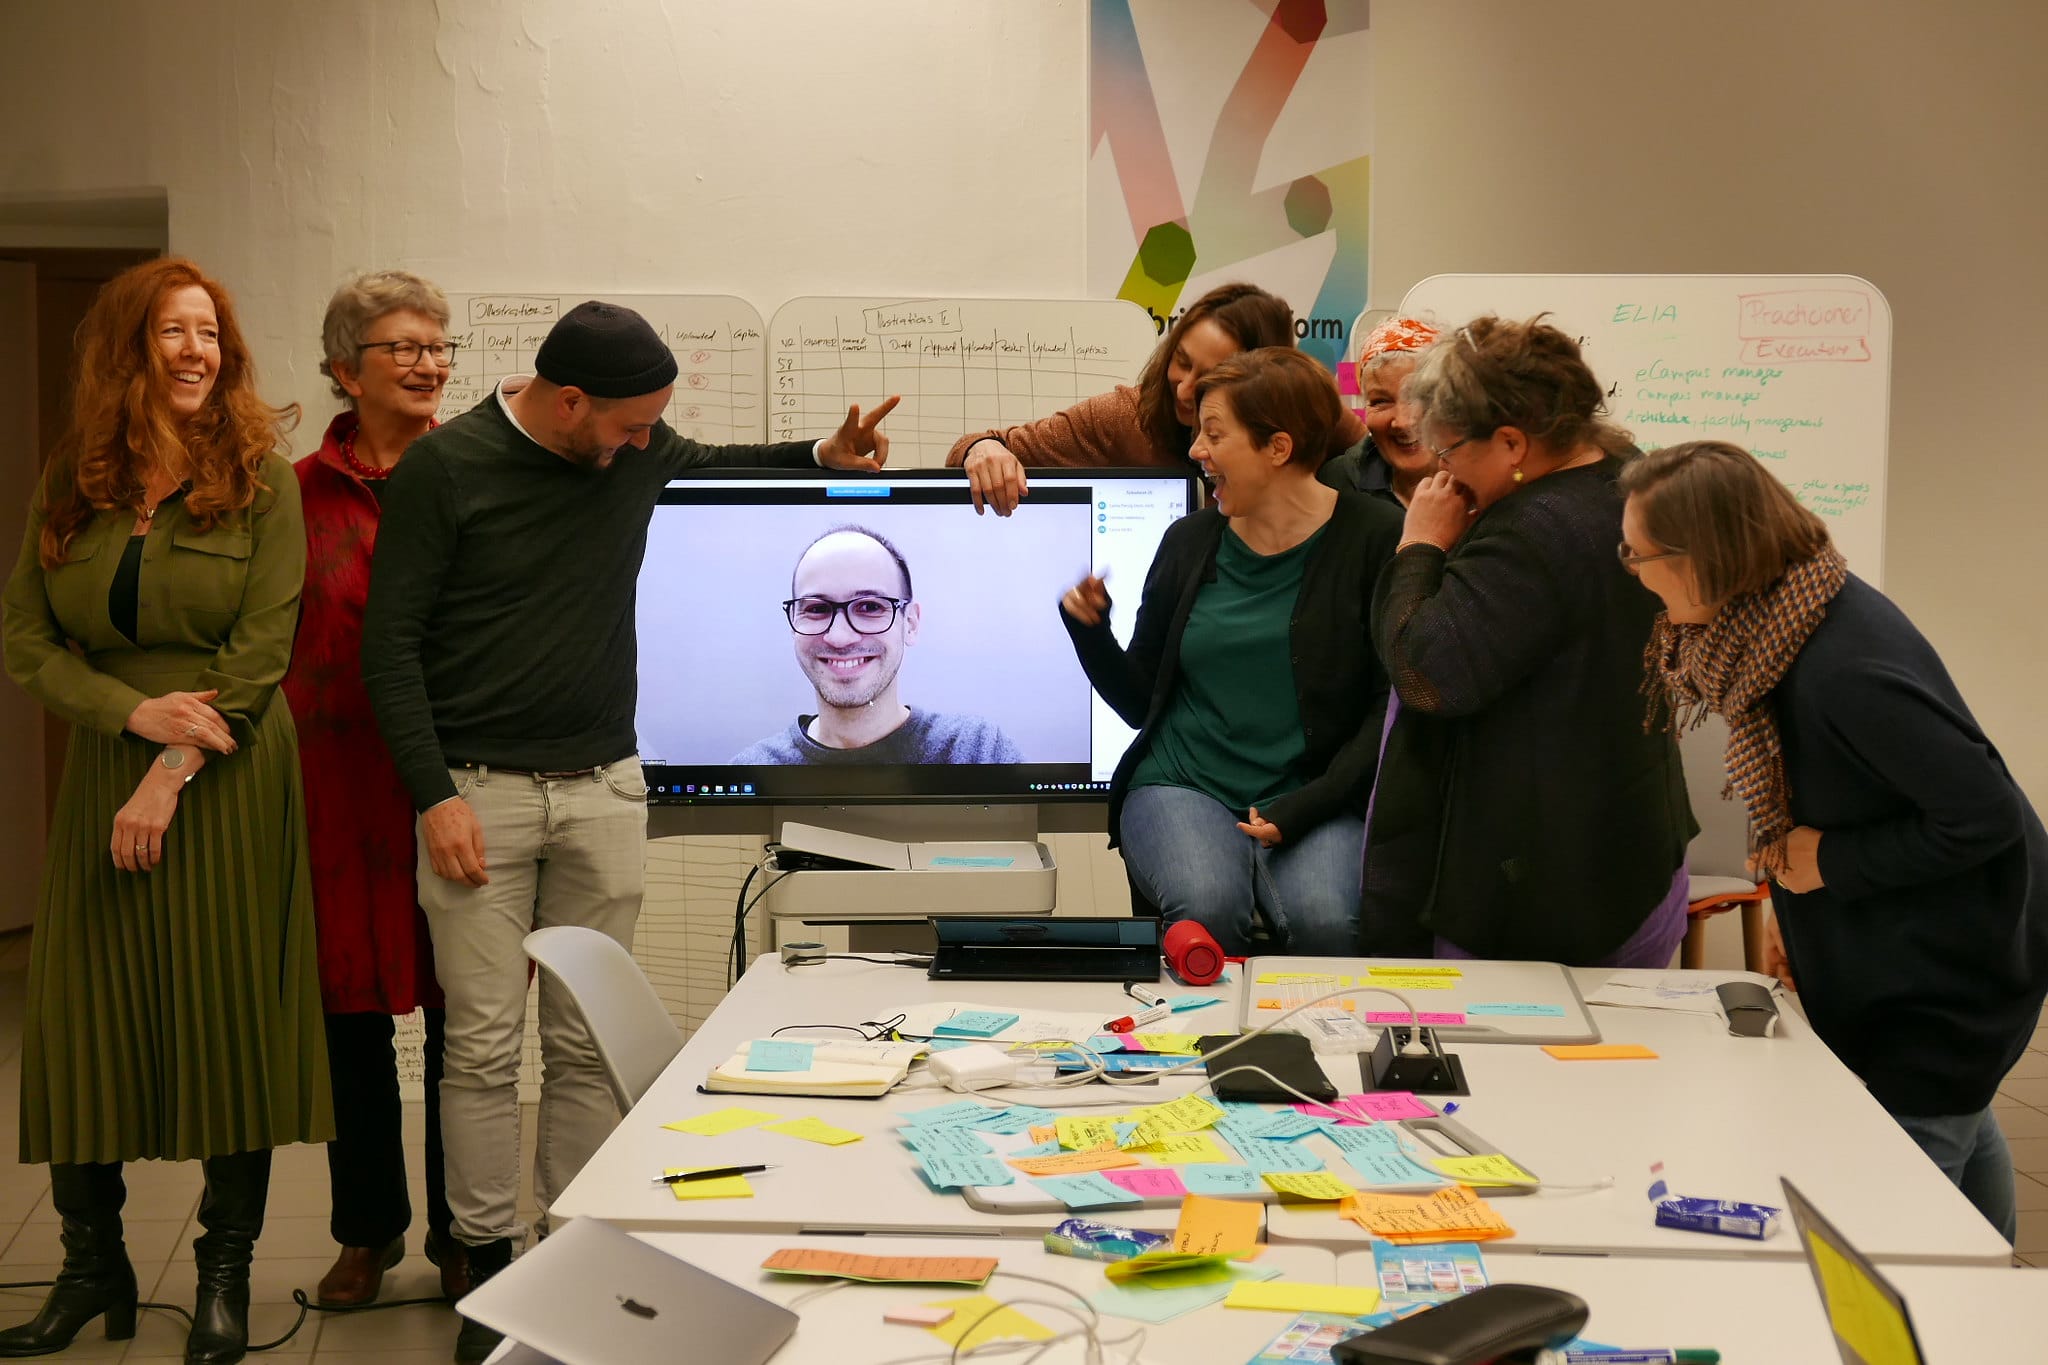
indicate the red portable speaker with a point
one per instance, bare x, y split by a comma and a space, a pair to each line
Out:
1193, 953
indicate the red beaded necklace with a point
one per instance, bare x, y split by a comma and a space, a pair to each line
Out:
357, 467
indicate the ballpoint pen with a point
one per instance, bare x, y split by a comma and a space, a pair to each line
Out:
710, 1173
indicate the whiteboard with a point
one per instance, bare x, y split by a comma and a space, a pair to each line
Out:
960, 365
716, 338
1796, 369
1495, 1002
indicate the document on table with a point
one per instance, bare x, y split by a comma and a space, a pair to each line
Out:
1684, 992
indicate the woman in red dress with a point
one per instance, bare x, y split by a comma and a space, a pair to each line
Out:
388, 353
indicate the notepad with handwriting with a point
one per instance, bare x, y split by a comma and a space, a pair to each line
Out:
858, 1070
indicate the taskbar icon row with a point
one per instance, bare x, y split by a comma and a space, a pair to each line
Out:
1070, 786
706, 789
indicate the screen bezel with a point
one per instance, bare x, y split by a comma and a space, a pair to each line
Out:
894, 785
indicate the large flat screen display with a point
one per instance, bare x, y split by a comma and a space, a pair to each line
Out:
833, 638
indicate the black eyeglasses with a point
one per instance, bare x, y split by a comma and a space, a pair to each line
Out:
1630, 559
867, 615
406, 354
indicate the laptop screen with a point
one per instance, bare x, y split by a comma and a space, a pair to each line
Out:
1868, 1315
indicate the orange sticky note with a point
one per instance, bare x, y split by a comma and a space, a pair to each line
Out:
1216, 1227
1072, 1163
1599, 1052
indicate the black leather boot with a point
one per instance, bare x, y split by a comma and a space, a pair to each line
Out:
96, 1277
231, 1211
476, 1341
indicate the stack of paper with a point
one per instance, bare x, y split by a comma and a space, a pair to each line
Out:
1452, 1214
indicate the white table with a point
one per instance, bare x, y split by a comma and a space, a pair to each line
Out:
1769, 1313
845, 1327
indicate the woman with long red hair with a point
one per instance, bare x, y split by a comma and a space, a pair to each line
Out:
173, 1005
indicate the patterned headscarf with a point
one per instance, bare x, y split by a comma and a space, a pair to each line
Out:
1396, 334
1729, 667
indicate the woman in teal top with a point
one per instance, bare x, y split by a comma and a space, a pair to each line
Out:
1250, 674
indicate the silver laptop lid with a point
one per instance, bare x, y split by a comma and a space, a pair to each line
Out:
593, 1295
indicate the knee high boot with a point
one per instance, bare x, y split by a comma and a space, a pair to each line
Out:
96, 1277
231, 1211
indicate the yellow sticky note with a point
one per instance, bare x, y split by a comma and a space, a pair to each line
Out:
1166, 1269
979, 1318
1183, 1115
1859, 1312
1081, 1134
814, 1130
1181, 1149
1174, 1044
1284, 1296
721, 1187
1409, 981
1413, 970
1275, 978
1217, 1227
1309, 1185
1599, 1052
721, 1121
1327, 1004
1491, 1169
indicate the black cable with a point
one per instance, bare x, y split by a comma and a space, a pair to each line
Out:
739, 922
739, 919
885, 961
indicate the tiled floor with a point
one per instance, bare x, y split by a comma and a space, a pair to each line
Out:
294, 1252
295, 1249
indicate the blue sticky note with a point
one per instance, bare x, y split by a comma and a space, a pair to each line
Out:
949, 1115
1381, 1137
1509, 1007
1207, 1178
1105, 1042
1191, 1002
1016, 1119
948, 1044
1278, 1156
1085, 1191
1287, 1126
954, 860
1124, 1130
943, 1141
953, 1172
976, 1024
766, 1055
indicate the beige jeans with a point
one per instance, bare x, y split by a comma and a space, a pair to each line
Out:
558, 851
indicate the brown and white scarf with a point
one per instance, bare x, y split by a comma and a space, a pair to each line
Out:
1729, 667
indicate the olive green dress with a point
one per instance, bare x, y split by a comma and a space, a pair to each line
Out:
175, 1013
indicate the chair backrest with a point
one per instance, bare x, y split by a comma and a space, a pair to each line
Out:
1722, 844
634, 1035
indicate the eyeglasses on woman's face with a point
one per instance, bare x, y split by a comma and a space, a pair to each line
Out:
406, 354
1632, 561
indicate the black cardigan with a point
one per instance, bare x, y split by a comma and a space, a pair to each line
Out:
1523, 811
1923, 959
1338, 682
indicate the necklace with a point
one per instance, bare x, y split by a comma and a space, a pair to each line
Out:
357, 467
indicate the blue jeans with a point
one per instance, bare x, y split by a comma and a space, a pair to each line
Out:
1186, 853
1971, 1151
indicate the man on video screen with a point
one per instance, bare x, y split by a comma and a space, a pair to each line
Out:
851, 616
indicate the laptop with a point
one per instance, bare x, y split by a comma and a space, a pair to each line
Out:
593, 1295
1075, 948
1868, 1315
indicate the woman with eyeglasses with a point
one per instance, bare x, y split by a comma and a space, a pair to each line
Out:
1250, 675
1521, 810
387, 351
172, 1010
1142, 425
1912, 874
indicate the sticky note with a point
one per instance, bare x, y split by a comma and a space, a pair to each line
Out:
961, 1111
976, 1024
719, 1187
1266, 1157
814, 1130
1178, 1149
847, 1265
1147, 1182
1087, 1191
979, 1318
1216, 1227
1490, 1169
1390, 1106
1288, 1126
767, 1054
943, 1141
1450, 973
721, 1121
1168, 1295
1072, 1163
1320, 1185
1184, 1115
1180, 1003
1016, 1119
1178, 1044
1511, 1007
1106, 1042
1440, 1019
1452, 1214
1079, 1134
958, 860
1221, 1180
1390, 1169
1411, 983
1161, 1269
1274, 978
1599, 1052
918, 1315
953, 1172
1036, 1149
1285, 1296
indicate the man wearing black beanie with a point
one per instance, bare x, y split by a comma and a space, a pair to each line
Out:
500, 655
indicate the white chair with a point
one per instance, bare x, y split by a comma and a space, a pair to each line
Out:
634, 1035
1715, 860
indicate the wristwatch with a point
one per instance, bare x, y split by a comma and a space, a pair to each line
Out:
174, 759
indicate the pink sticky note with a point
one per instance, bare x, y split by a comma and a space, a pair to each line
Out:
1347, 376
1148, 1183
1402, 1016
1394, 1104
1129, 1041
1339, 1113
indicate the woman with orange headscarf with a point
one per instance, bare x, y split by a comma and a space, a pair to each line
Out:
1390, 461
173, 1005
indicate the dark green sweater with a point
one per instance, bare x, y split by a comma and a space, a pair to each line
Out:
500, 625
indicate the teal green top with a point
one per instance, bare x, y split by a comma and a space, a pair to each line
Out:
1233, 728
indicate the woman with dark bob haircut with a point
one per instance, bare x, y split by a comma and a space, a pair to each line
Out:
1912, 875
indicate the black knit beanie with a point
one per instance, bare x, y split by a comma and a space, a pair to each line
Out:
606, 351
